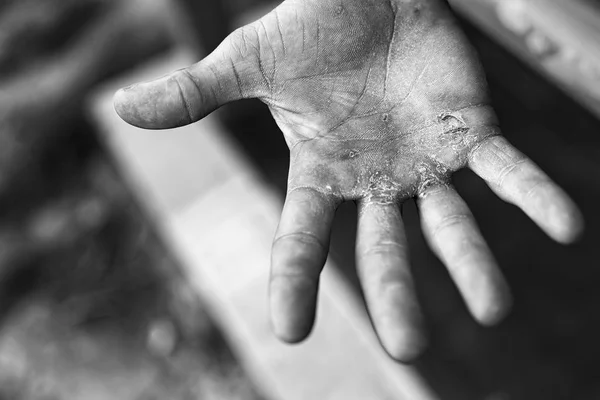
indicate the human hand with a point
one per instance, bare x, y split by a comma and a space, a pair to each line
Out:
379, 101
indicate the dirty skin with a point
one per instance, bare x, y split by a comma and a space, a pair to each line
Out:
379, 101
391, 167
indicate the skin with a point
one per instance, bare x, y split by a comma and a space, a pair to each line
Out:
379, 101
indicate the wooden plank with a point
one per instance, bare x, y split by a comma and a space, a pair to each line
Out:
560, 39
218, 216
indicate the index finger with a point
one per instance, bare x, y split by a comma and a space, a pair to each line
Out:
299, 252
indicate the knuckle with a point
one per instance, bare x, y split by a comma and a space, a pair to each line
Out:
184, 83
301, 237
315, 194
450, 221
296, 275
382, 249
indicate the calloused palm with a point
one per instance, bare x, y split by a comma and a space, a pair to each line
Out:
379, 101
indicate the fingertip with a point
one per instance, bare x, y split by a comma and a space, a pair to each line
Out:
494, 311
141, 105
557, 214
122, 103
569, 226
292, 308
127, 104
398, 322
403, 344
159, 104
289, 334
487, 294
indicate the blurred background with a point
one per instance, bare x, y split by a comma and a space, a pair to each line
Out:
94, 305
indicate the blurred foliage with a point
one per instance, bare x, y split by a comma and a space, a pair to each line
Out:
91, 304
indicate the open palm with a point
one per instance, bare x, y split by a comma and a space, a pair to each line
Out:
379, 101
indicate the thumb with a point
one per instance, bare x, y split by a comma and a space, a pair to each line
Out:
188, 95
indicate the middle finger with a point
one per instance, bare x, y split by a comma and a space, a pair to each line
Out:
383, 269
